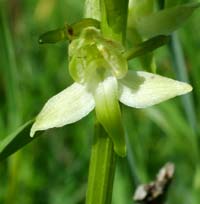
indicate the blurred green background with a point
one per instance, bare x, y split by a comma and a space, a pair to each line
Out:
53, 168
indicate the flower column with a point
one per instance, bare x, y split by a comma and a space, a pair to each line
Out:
113, 17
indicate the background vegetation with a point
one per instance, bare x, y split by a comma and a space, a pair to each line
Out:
53, 168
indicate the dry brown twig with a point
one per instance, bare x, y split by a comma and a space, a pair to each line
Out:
155, 191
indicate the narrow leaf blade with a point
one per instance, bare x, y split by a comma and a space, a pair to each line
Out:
16, 140
166, 21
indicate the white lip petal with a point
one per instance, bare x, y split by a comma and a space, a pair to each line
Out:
142, 89
68, 106
108, 112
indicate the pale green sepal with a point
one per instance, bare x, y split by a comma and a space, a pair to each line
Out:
68, 106
76, 62
112, 54
142, 89
165, 21
83, 52
77, 67
109, 114
93, 49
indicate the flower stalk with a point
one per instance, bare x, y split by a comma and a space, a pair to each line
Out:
102, 161
114, 19
102, 168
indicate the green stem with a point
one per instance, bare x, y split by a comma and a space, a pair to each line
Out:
102, 169
113, 17
92, 9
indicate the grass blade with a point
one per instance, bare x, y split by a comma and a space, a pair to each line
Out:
16, 140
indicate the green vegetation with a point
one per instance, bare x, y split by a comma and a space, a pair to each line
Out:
53, 168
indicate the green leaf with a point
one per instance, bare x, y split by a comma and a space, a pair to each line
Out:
166, 21
171, 3
146, 46
16, 140
144, 7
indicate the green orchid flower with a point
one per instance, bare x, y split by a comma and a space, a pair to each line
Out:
102, 79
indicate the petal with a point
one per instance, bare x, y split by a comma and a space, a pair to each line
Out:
68, 106
109, 114
142, 89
